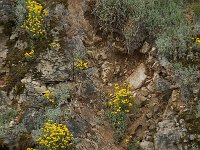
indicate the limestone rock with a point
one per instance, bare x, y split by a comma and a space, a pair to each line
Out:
146, 145
168, 136
137, 78
107, 71
145, 48
4, 99
6, 10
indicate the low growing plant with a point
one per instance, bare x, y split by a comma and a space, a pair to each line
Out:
120, 105
55, 136
111, 14
48, 95
82, 65
35, 18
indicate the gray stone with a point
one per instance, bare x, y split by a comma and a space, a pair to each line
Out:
6, 10
1, 29
168, 136
107, 71
87, 89
162, 85
192, 137
145, 48
21, 45
146, 145
4, 99
149, 115
137, 78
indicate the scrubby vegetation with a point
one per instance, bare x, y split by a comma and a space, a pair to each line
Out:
55, 136
121, 103
165, 21
52, 82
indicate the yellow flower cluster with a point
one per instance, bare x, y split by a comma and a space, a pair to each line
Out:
35, 18
49, 96
121, 98
31, 149
128, 139
196, 40
30, 54
55, 136
81, 65
54, 45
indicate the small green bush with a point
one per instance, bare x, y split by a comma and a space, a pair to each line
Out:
165, 20
62, 95
186, 79
20, 12
198, 110
134, 145
6, 115
185, 75
119, 123
111, 14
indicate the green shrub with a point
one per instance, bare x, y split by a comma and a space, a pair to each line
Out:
62, 95
173, 43
185, 77
165, 20
119, 123
198, 110
111, 14
20, 12
134, 145
6, 115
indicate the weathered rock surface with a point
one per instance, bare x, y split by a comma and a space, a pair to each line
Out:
6, 10
168, 136
145, 48
146, 145
137, 78
107, 71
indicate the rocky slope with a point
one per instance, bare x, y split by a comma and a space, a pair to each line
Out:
161, 119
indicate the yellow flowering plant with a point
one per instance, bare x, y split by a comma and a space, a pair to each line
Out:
121, 99
31, 149
54, 45
82, 65
35, 18
29, 55
48, 95
55, 136
120, 104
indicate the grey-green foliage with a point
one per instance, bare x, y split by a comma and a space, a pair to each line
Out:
158, 14
62, 94
173, 42
20, 11
134, 145
111, 14
6, 114
198, 110
167, 22
54, 114
194, 147
14, 131
164, 14
119, 123
165, 19
185, 75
